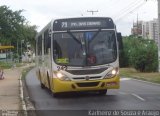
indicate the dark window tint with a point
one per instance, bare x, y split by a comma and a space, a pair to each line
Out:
47, 41
40, 45
85, 48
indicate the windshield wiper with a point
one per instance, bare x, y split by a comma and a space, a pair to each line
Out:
73, 37
94, 35
80, 42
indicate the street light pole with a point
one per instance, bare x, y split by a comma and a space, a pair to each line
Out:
158, 35
21, 48
17, 52
22, 41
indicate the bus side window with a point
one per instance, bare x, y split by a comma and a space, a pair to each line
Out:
40, 45
47, 42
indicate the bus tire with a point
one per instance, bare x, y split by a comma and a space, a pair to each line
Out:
102, 92
54, 94
48, 79
42, 86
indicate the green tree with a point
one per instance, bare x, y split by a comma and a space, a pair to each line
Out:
141, 54
14, 28
29, 33
10, 24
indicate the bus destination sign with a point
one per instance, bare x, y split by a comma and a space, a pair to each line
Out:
82, 24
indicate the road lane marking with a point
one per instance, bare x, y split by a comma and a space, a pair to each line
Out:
125, 79
137, 96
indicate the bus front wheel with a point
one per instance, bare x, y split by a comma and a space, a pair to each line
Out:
102, 92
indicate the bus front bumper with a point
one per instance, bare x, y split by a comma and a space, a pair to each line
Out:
90, 85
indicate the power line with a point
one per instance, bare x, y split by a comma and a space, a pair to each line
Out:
135, 8
129, 9
129, 6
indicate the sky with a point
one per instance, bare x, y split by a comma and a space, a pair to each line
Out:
123, 12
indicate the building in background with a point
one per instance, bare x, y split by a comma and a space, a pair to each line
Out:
147, 30
153, 30
137, 28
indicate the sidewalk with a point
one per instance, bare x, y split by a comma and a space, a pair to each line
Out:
9, 89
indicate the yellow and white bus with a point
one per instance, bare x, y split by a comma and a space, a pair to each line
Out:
78, 54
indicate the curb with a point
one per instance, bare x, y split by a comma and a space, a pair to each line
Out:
28, 108
23, 104
144, 81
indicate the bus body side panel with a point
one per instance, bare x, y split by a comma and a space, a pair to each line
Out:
43, 60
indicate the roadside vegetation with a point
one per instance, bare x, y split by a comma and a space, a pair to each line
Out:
8, 65
14, 27
5, 65
139, 53
16, 31
147, 76
139, 59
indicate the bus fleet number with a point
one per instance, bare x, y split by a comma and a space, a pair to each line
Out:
61, 68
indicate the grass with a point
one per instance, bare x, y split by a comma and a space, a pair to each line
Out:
5, 65
132, 73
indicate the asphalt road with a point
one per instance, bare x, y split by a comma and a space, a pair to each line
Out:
133, 95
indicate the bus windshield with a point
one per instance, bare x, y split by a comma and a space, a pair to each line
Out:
89, 48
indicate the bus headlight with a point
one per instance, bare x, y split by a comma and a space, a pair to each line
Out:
59, 75
62, 77
111, 73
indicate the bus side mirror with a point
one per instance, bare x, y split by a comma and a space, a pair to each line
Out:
119, 39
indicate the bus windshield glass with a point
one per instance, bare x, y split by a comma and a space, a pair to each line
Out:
89, 48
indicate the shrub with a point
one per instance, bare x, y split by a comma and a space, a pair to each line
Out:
141, 54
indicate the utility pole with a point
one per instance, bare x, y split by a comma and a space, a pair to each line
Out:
159, 35
92, 11
137, 26
22, 41
17, 52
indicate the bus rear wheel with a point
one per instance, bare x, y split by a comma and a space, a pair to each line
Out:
102, 92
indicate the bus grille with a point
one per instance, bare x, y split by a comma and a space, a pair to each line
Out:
88, 84
84, 72
84, 78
